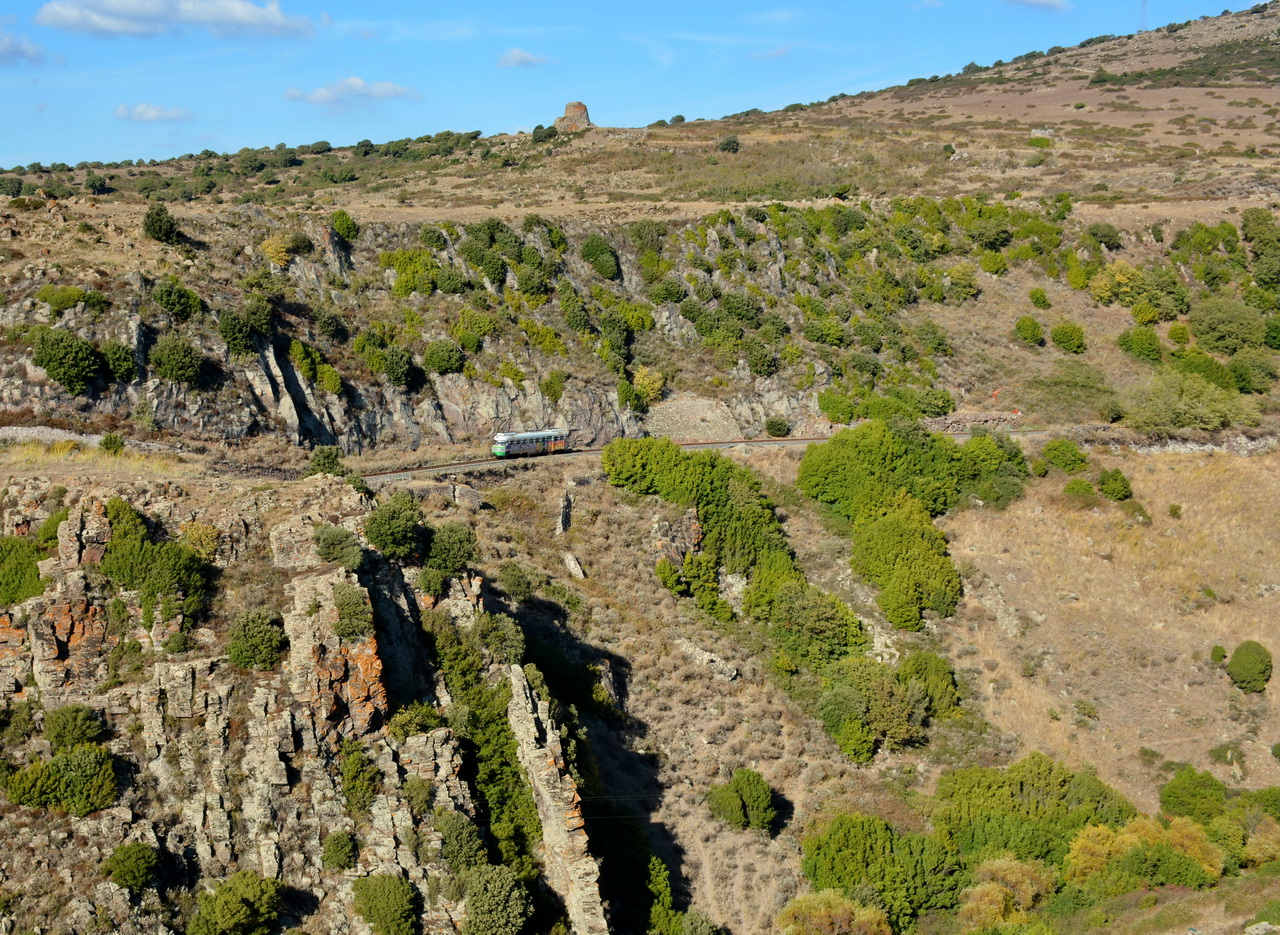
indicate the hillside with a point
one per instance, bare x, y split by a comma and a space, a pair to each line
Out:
991, 655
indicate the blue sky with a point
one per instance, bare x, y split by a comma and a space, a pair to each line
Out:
142, 79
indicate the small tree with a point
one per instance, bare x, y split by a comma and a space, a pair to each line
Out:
729, 144
515, 582
1197, 795
1250, 666
338, 545
1029, 330
388, 903
69, 360
244, 904
1105, 234
71, 725
344, 226
132, 866
1065, 454
1039, 298
111, 443
395, 527
326, 459
1069, 337
339, 851
257, 640
158, 224
1114, 485
176, 299
443, 356
174, 358
497, 902
119, 361
453, 545
596, 251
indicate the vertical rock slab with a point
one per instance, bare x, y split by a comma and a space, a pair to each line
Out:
569, 867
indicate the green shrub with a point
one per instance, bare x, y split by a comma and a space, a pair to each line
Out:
338, 851
1105, 234
432, 237
159, 224
746, 801
244, 904
1254, 370
1065, 455
167, 573
1179, 334
326, 459
72, 725
19, 577
497, 902
460, 842
1078, 489
515, 583
67, 359
431, 582
395, 526
355, 615
111, 443
667, 290
1218, 654
132, 866
1039, 298
174, 358
1197, 795
1069, 337
777, 427
443, 356
1142, 343
344, 226
60, 298
1224, 326
993, 262
552, 388
934, 675
1192, 360
338, 545
256, 640
79, 780
1174, 401
387, 903
729, 144
596, 251
1029, 330
176, 299
416, 718
1114, 485
361, 778
47, 532
119, 361
725, 805
1250, 666
453, 545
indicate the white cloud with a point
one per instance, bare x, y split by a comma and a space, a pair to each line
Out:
15, 49
154, 17
343, 92
1053, 5
519, 58
151, 113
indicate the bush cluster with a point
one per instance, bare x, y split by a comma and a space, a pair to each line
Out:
256, 640
243, 904
355, 613
746, 801
167, 575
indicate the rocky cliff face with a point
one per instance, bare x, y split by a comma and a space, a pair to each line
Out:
231, 770
268, 392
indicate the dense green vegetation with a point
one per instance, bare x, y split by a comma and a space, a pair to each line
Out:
168, 576
1034, 842
890, 480
815, 640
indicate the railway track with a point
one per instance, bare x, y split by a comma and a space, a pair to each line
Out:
386, 477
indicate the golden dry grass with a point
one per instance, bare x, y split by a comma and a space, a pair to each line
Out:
1071, 604
71, 462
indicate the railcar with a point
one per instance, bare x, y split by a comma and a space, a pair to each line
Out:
542, 442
